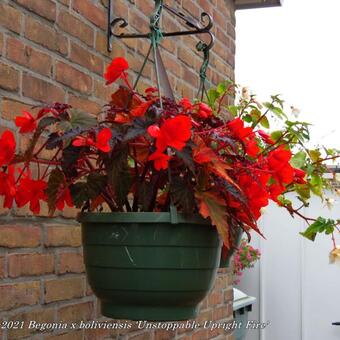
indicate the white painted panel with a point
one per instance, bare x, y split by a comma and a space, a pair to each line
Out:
296, 288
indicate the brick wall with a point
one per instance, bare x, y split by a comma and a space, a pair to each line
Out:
55, 50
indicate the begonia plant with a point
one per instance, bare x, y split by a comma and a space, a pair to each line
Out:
143, 155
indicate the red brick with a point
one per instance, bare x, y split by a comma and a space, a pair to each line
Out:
41, 90
101, 91
78, 335
73, 78
1, 42
2, 267
61, 235
45, 35
14, 295
74, 26
9, 78
76, 312
191, 8
101, 46
215, 298
228, 296
40, 315
28, 57
14, 236
83, 57
30, 264
11, 108
84, 104
71, 263
201, 334
137, 21
10, 17
63, 289
46, 8
91, 12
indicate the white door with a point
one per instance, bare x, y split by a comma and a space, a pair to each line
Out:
297, 290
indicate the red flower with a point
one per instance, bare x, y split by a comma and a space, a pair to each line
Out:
299, 176
161, 160
204, 111
175, 132
252, 148
101, 143
185, 103
266, 138
140, 110
278, 163
115, 70
7, 187
7, 147
64, 196
31, 191
154, 130
276, 190
27, 123
236, 126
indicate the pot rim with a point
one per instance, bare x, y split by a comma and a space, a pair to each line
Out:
141, 217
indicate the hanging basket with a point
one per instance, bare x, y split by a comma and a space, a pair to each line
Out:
148, 266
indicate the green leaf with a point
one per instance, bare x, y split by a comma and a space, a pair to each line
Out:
265, 122
315, 155
233, 110
321, 225
47, 121
55, 180
276, 135
316, 184
221, 88
212, 96
78, 119
303, 191
298, 160
275, 109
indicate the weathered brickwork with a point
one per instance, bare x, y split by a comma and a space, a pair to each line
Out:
55, 50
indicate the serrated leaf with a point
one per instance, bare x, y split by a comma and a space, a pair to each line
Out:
303, 191
138, 128
213, 206
96, 184
315, 155
78, 119
47, 121
298, 160
321, 225
316, 184
221, 88
265, 122
182, 194
55, 180
186, 156
79, 194
119, 175
233, 110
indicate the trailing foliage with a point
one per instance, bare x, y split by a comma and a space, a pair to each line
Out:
146, 153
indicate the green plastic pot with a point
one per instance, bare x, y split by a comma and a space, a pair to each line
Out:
149, 266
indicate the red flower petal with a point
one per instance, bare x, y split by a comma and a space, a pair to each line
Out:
103, 139
27, 122
153, 130
161, 160
115, 70
7, 147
